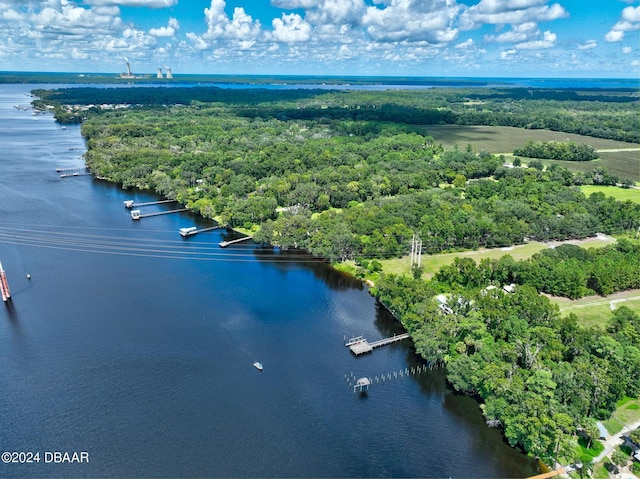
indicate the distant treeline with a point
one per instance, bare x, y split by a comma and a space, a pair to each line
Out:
602, 114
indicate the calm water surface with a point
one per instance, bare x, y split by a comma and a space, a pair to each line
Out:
136, 345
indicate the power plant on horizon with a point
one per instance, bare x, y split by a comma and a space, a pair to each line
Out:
130, 76
169, 74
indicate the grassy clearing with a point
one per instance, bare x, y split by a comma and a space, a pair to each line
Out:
595, 311
501, 139
627, 412
504, 139
432, 263
621, 194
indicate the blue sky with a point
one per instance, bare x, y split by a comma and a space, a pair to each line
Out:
513, 38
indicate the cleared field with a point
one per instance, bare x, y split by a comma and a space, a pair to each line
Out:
432, 263
627, 412
621, 194
621, 163
505, 139
596, 311
501, 139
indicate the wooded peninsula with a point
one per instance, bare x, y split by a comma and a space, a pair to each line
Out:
355, 175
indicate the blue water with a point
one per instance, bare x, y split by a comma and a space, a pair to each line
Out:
136, 346
341, 82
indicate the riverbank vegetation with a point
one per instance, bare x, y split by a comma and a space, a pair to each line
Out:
541, 376
355, 175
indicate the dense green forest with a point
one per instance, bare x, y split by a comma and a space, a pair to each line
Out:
557, 150
354, 175
541, 377
342, 174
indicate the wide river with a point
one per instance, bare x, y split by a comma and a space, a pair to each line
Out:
137, 346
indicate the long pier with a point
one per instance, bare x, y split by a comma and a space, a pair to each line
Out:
224, 244
359, 345
135, 214
184, 232
78, 171
132, 204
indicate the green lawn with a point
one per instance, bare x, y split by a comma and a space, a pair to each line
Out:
627, 412
432, 263
596, 310
621, 194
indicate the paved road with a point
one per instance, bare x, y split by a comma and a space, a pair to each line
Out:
612, 441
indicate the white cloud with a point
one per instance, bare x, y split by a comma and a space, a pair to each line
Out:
12, 15
77, 55
469, 43
507, 54
588, 45
627, 50
614, 36
295, 4
72, 20
291, 28
525, 36
413, 20
630, 20
345, 52
168, 31
197, 41
631, 14
499, 12
337, 12
518, 34
134, 3
240, 27
548, 41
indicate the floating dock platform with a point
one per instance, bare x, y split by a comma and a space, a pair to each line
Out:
359, 345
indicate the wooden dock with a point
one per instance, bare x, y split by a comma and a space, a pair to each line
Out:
78, 171
184, 232
359, 345
135, 214
224, 244
132, 204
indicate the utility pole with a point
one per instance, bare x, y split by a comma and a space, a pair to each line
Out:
416, 251
413, 249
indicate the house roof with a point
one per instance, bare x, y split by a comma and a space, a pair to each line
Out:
603, 430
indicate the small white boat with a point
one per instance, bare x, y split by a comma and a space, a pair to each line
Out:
258, 366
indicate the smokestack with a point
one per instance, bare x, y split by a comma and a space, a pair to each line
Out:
159, 75
169, 75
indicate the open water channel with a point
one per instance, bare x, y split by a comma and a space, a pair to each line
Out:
136, 346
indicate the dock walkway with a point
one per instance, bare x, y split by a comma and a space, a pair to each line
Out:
135, 214
224, 244
132, 204
359, 345
184, 232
